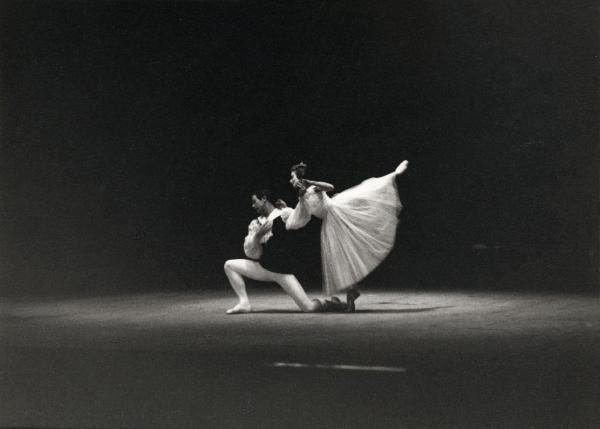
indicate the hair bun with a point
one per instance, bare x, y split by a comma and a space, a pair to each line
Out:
300, 169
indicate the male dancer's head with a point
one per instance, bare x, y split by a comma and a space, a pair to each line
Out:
262, 202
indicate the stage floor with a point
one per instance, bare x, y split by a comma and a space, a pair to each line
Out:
406, 359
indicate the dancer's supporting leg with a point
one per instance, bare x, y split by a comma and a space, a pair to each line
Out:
233, 269
352, 295
237, 269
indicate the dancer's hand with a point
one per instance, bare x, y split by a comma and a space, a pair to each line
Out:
296, 183
264, 229
253, 226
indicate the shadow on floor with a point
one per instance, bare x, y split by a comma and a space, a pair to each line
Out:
398, 311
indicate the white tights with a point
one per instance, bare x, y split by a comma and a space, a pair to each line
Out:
237, 269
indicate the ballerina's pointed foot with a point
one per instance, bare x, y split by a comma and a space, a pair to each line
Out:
333, 305
402, 167
240, 308
351, 296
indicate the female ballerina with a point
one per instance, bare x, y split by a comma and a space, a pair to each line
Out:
358, 229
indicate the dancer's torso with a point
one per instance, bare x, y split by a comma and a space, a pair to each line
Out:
316, 201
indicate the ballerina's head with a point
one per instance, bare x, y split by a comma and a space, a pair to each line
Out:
297, 175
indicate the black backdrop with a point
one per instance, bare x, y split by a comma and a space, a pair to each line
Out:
133, 134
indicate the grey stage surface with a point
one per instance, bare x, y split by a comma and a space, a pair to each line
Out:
457, 359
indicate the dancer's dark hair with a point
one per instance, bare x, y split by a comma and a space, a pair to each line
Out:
299, 169
265, 193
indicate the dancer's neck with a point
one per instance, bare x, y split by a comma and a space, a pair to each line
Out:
269, 209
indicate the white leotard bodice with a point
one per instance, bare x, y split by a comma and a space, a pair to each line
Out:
312, 203
316, 202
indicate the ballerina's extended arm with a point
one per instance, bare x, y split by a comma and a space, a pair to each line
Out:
321, 186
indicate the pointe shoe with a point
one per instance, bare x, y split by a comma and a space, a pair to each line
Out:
402, 167
334, 305
351, 296
240, 308
320, 307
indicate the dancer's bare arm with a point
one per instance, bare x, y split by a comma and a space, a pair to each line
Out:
263, 229
321, 186
252, 247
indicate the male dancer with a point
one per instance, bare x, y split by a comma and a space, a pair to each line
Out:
277, 261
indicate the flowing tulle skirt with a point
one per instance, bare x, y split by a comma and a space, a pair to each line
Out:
358, 231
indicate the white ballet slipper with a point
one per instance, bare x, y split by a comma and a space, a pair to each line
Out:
402, 167
240, 308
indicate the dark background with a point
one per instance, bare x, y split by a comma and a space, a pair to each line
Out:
133, 134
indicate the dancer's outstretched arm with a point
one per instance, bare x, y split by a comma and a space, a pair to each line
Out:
321, 186
302, 184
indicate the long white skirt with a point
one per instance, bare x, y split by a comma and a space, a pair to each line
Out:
358, 231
